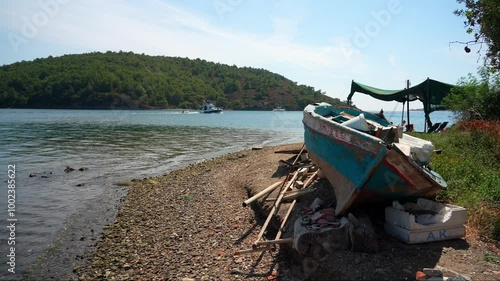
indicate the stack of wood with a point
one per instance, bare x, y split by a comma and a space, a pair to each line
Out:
297, 183
317, 231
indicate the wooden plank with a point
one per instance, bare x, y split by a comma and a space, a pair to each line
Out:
253, 250
285, 219
275, 207
310, 179
294, 194
263, 193
290, 151
276, 241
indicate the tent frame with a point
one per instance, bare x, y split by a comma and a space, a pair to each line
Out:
430, 93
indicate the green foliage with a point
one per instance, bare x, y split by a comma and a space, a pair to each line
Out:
128, 80
476, 98
491, 257
483, 21
470, 164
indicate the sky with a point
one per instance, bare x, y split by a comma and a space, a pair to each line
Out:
324, 44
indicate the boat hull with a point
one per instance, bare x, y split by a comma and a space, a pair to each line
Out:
212, 111
361, 167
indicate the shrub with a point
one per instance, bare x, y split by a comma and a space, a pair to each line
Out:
470, 164
476, 98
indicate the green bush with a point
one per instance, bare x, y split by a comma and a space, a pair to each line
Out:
476, 98
472, 171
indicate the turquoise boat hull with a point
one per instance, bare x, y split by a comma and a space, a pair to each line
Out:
363, 168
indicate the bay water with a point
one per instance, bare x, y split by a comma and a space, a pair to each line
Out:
59, 213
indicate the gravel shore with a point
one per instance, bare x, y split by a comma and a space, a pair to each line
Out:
187, 225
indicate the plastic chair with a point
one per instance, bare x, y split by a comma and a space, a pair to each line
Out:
434, 127
441, 127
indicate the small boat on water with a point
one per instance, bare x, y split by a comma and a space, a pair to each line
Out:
279, 108
367, 159
209, 107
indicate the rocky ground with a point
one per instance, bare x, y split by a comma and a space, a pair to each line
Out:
188, 224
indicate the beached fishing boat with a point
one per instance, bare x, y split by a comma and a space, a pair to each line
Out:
209, 107
366, 158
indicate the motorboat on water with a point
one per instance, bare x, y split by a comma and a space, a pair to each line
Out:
209, 107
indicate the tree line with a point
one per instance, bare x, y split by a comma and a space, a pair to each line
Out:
121, 80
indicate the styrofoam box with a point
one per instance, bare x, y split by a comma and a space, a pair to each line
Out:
455, 216
423, 236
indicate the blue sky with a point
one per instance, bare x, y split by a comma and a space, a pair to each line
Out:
324, 44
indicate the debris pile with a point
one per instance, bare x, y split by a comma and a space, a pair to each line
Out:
317, 231
425, 221
308, 224
440, 274
297, 183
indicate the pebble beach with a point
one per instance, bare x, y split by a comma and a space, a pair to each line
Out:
188, 224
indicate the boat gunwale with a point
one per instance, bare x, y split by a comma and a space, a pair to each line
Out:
343, 127
369, 138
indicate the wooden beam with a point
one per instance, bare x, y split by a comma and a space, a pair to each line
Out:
285, 219
253, 250
276, 241
294, 194
263, 193
275, 207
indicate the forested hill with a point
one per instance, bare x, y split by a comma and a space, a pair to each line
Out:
126, 80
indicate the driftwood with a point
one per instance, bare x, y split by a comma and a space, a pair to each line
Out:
297, 193
292, 151
267, 246
280, 197
262, 193
277, 241
301, 172
275, 207
253, 250
285, 219
295, 165
290, 195
310, 179
258, 245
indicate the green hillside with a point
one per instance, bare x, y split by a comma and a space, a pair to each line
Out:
126, 80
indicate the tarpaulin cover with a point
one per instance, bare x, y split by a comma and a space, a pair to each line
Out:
430, 93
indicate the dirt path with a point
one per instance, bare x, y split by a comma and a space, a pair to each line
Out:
187, 225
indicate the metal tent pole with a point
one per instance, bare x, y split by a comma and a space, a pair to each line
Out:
408, 108
403, 114
408, 102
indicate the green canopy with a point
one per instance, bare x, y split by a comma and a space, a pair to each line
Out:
430, 93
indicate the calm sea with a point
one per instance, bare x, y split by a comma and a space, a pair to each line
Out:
60, 214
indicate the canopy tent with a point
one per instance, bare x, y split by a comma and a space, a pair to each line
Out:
430, 93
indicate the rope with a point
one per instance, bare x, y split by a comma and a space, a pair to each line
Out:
393, 110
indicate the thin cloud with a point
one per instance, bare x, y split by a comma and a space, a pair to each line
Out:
393, 60
156, 27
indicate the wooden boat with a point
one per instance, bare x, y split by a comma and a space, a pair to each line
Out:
366, 158
209, 107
